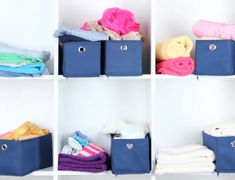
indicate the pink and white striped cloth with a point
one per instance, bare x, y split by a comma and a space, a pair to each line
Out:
90, 150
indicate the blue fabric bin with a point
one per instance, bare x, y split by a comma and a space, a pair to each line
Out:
81, 58
215, 57
224, 149
130, 156
123, 58
18, 158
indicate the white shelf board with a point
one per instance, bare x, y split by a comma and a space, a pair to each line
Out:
43, 172
146, 76
44, 77
192, 76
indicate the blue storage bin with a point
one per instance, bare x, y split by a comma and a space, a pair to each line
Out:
123, 58
18, 158
224, 149
215, 57
130, 156
81, 59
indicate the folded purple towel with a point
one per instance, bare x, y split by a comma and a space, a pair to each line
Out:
74, 167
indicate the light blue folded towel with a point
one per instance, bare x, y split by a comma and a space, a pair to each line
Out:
9, 49
87, 35
31, 69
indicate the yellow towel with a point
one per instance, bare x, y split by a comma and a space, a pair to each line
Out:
27, 130
173, 48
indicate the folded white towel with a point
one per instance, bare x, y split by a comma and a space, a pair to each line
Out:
223, 129
74, 144
202, 168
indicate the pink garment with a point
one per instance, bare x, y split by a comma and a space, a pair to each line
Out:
90, 150
2, 135
181, 66
119, 20
204, 28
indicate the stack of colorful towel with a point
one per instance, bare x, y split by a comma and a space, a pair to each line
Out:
115, 24
214, 30
193, 158
81, 155
28, 130
173, 56
16, 62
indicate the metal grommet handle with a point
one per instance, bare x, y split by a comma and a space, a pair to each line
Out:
129, 146
81, 49
4, 147
233, 144
124, 47
212, 47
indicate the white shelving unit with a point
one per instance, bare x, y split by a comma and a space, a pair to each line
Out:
176, 108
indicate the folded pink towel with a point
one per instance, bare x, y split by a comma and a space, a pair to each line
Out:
204, 28
179, 66
119, 20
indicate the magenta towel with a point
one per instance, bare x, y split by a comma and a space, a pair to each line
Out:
119, 20
179, 66
204, 28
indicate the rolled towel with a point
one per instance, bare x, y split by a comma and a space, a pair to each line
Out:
214, 29
74, 143
173, 48
222, 129
181, 66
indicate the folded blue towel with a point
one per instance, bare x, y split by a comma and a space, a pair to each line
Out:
8, 49
88, 35
12, 74
31, 69
82, 140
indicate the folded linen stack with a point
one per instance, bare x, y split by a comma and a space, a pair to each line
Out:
214, 30
16, 62
173, 56
193, 158
222, 129
81, 155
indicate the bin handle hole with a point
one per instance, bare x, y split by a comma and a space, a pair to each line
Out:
81, 49
212, 47
233, 144
4, 147
124, 48
129, 146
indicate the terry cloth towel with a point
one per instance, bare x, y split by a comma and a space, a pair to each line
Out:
8, 49
87, 35
181, 66
74, 143
222, 129
214, 29
173, 48
67, 149
119, 20
187, 168
80, 138
27, 130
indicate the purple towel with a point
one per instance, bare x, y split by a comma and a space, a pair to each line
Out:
94, 169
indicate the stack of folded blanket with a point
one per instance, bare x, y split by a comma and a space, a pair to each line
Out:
28, 130
213, 30
173, 56
222, 129
192, 158
81, 155
16, 62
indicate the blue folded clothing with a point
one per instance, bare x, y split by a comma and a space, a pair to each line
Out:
12, 74
30, 69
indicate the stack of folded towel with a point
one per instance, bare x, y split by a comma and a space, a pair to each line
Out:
213, 30
192, 158
173, 56
81, 155
16, 62
28, 130
222, 129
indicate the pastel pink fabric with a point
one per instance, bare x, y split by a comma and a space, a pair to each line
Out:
85, 26
119, 20
204, 28
181, 66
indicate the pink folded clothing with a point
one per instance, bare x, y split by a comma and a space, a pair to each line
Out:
179, 66
204, 28
119, 20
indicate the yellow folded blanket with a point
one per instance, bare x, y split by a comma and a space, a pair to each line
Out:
28, 130
173, 48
